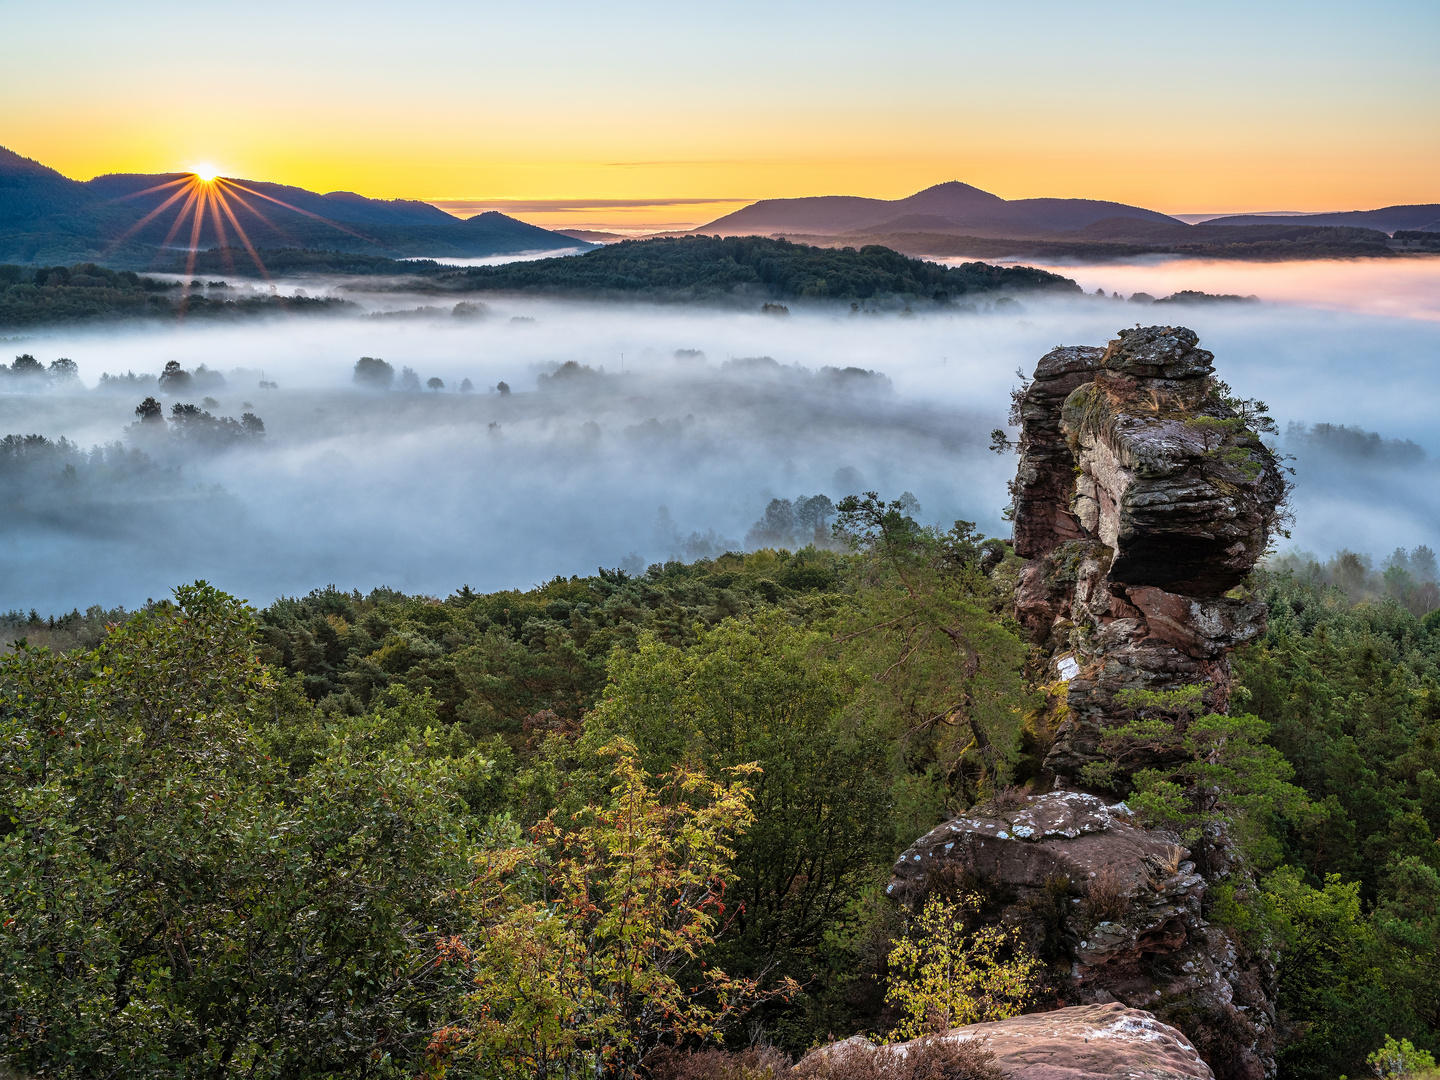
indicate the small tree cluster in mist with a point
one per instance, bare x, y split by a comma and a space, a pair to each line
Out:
372, 373
110, 490
1411, 578
84, 292
29, 375
792, 524
1353, 442
193, 427
175, 380
60, 633
668, 539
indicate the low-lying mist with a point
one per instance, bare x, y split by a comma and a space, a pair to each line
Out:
629, 435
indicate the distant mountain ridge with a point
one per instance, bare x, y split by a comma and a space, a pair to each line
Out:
952, 207
954, 219
1389, 219
46, 217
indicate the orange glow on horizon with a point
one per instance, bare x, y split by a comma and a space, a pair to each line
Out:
639, 114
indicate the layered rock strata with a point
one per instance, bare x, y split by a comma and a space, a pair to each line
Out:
1127, 902
1088, 1042
1141, 501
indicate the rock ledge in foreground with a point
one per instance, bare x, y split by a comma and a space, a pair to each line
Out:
1087, 1042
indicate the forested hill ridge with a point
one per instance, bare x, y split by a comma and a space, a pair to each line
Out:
706, 267
743, 270
47, 295
683, 268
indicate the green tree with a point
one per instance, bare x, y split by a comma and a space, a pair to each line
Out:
932, 631
174, 903
1197, 773
761, 690
585, 956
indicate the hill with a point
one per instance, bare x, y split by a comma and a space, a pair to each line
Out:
1387, 219
703, 268
957, 219
1119, 238
29, 190
130, 220
949, 207
706, 267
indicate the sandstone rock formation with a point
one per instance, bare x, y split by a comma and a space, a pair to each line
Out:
1088, 1042
1127, 904
1141, 501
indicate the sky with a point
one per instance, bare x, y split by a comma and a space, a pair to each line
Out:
648, 114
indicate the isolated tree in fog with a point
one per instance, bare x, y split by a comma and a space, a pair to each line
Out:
63, 370
373, 372
26, 366
466, 386
150, 411
435, 383
174, 379
776, 528
409, 380
503, 387
812, 515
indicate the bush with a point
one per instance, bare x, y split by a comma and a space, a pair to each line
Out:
1399, 1059
943, 976
1105, 899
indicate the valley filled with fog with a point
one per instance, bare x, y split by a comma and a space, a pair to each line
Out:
632, 434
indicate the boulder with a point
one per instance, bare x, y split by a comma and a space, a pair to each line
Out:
1116, 906
1086, 1042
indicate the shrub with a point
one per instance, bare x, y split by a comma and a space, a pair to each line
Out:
1106, 898
943, 976
1399, 1059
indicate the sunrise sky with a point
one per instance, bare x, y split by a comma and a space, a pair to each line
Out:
667, 115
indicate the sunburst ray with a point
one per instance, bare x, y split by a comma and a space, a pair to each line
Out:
151, 216
307, 213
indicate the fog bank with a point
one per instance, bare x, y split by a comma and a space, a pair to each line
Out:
699, 419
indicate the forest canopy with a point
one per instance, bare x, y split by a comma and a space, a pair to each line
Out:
37, 295
297, 798
695, 267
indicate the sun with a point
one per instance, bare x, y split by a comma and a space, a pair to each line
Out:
204, 191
